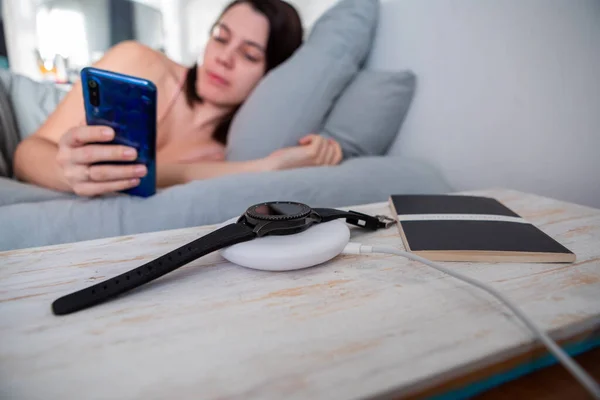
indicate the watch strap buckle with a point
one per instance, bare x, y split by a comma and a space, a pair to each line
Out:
369, 221
385, 221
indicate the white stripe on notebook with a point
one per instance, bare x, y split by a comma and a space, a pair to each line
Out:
460, 217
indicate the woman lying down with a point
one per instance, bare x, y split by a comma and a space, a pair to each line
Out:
195, 107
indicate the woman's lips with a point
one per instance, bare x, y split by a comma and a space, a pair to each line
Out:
217, 79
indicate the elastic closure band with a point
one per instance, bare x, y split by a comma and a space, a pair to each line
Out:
460, 217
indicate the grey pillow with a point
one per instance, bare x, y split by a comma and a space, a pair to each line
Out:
368, 115
13, 191
32, 101
24, 106
293, 99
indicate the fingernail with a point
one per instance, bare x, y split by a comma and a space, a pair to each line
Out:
107, 132
129, 152
140, 170
134, 181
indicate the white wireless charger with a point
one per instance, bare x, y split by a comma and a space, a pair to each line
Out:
316, 245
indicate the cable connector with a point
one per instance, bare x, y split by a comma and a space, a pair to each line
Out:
356, 248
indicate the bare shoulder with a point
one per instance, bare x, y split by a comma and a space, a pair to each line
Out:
134, 58
129, 50
128, 57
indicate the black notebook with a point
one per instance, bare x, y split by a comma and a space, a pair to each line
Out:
471, 228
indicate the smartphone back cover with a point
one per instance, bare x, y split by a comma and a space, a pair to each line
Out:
128, 105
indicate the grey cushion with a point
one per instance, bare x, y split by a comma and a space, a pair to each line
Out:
9, 134
293, 99
13, 192
24, 106
32, 101
367, 117
212, 201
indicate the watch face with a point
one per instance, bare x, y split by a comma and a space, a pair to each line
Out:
278, 211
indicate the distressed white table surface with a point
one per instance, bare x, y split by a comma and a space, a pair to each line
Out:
353, 328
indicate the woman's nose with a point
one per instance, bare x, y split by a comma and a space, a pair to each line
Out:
226, 57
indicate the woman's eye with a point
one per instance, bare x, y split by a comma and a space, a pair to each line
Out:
220, 39
251, 58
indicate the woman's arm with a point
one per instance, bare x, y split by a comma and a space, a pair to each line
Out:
314, 150
177, 174
35, 162
35, 158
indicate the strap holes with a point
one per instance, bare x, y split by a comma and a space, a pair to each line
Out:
179, 253
149, 267
117, 281
94, 291
105, 287
189, 248
170, 258
127, 277
140, 273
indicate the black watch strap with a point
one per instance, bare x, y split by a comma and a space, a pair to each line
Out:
355, 218
226, 236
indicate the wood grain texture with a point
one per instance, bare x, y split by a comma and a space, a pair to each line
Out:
355, 327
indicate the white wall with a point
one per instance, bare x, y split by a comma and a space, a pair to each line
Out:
19, 32
310, 10
97, 23
200, 15
174, 28
148, 26
508, 91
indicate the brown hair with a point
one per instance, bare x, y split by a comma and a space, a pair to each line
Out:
285, 36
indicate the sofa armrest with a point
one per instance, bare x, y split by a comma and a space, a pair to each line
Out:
356, 181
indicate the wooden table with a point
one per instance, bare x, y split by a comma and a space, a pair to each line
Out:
360, 326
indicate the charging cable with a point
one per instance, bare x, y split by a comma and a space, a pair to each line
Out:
579, 373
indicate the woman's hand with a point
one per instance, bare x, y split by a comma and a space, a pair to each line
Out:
314, 150
78, 149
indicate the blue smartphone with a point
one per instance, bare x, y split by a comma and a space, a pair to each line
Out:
128, 105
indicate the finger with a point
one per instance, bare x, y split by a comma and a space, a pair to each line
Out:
329, 156
88, 134
103, 173
77, 173
312, 152
307, 139
322, 152
335, 157
338, 154
90, 189
93, 153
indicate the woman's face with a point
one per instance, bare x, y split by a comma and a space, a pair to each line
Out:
235, 57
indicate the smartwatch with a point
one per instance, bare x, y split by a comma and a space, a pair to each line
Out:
270, 218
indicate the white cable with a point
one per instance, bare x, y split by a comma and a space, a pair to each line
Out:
579, 373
